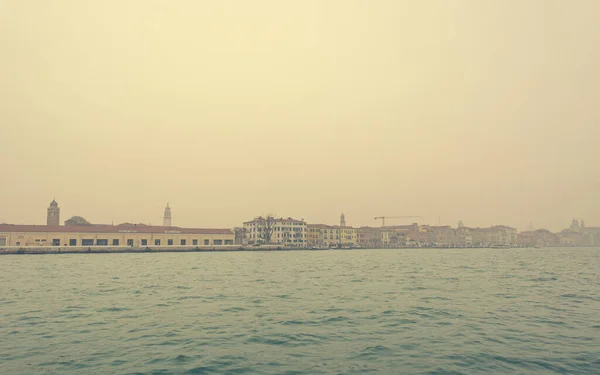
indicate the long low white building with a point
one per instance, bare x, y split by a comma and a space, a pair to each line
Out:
127, 235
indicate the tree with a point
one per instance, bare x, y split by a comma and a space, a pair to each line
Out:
265, 227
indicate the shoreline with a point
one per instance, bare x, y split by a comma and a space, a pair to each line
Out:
199, 249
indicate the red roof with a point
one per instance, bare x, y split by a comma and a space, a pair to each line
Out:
121, 228
274, 220
321, 226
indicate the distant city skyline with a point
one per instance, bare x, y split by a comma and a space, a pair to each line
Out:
165, 219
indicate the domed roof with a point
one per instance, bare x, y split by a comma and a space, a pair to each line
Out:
77, 220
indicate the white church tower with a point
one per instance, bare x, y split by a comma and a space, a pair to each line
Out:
167, 217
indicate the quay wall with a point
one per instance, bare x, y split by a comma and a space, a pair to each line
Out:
126, 249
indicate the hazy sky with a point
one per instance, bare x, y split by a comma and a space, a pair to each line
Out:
484, 111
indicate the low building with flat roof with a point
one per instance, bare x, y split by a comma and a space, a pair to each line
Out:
127, 235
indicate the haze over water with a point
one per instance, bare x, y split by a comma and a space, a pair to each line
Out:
413, 311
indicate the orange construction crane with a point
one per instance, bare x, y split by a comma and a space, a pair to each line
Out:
393, 217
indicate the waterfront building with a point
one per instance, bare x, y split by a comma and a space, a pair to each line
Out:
540, 237
439, 236
495, 235
369, 237
124, 235
400, 236
348, 236
315, 234
53, 216
463, 236
276, 231
580, 235
240, 236
332, 235
590, 235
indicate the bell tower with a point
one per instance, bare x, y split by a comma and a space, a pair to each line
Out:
53, 217
342, 220
167, 216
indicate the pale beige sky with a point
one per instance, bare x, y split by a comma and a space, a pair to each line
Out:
482, 110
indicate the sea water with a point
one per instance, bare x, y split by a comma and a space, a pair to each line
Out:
410, 311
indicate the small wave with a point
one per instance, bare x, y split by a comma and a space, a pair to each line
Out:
97, 323
189, 297
203, 370
112, 309
289, 340
335, 319
544, 279
371, 351
400, 322
29, 317
438, 298
234, 309
181, 358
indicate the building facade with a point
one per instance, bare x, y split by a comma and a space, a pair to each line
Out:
492, 236
276, 231
369, 237
124, 235
315, 234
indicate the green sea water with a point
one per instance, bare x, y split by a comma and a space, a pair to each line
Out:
412, 311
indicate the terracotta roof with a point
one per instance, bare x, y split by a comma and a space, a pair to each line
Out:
321, 226
121, 228
275, 220
502, 227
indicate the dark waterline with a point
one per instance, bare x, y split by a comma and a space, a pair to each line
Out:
413, 311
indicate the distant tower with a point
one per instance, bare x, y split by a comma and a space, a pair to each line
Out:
53, 218
575, 226
167, 217
461, 224
342, 220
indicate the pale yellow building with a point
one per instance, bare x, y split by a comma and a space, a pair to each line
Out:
332, 235
315, 234
122, 235
348, 236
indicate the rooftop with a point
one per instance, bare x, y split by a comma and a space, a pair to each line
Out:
125, 227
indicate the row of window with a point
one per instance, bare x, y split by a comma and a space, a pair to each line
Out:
276, 222
144, 242
284, 235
